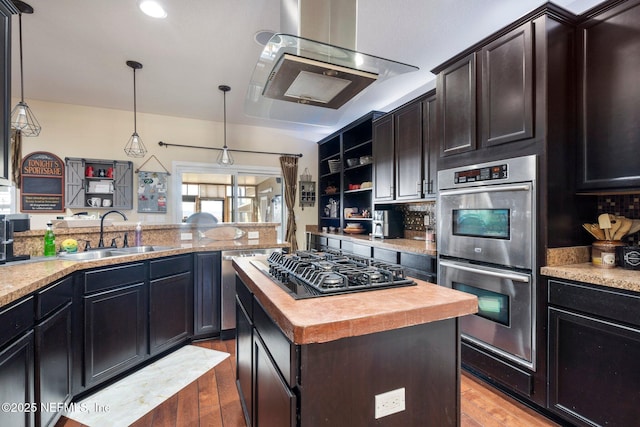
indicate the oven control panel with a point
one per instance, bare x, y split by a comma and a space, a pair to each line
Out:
488, 173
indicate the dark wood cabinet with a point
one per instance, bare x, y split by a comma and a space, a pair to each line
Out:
506, 91
430, 147
16, 377
456, 88
274, 402
54, 340
244, 349
408, 152
608, 99
383, 160
207, 294
115, 321
594, 348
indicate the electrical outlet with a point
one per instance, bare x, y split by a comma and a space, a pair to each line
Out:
389, 403
427, 220
186, 236
253, 235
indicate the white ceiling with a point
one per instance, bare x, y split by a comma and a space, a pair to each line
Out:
75, 51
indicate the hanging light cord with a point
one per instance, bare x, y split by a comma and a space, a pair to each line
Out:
135, 123
21, 72
224, 101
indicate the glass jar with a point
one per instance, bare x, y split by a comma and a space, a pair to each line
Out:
603, 253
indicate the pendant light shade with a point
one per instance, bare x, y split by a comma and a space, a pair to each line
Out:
22, 119
225, 158
135, 146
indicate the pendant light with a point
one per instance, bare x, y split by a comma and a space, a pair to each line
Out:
225, 158
135, 147
22, 119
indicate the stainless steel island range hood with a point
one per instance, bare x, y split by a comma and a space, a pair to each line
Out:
312, 67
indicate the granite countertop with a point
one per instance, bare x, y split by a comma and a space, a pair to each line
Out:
324, 319
406, 245
588, 273
23, 278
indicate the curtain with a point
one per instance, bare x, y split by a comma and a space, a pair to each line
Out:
289, 165
16, 157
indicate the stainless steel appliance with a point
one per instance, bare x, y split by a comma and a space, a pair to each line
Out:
387, 224
8, 225
309, 274
486, 246
228, 280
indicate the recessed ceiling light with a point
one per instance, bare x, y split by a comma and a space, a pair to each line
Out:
152, 8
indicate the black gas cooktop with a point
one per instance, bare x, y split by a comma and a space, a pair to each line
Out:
309, 274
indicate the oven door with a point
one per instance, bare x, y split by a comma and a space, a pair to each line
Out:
505, 318
491, 223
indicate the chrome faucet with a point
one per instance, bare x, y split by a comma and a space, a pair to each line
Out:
101, 241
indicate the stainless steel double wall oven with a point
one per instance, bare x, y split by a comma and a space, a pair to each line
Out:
487, 247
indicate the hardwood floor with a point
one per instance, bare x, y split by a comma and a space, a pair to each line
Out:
212, 401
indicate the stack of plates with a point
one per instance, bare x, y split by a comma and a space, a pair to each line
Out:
354, 228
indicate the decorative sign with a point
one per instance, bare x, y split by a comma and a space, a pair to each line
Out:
152, 192
42, 183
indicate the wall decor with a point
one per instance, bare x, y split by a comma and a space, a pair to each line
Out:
42, 183
152, 192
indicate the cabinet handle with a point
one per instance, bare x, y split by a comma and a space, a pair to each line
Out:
418, 188
430, 187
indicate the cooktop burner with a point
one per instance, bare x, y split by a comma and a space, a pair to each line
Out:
308, 274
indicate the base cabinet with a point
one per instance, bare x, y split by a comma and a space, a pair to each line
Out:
207, 294
16, 379
594, 348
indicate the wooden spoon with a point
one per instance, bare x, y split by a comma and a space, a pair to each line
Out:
625, 226
597, 231
605, 223
615, 226
635, 226
590, 230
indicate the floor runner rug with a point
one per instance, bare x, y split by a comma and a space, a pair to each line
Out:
125, 401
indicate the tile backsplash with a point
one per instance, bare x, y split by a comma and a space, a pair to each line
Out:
414, 214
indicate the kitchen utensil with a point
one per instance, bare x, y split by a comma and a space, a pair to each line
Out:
94, 202
599, 235
615, 225
635, 226
625, 226
605, 224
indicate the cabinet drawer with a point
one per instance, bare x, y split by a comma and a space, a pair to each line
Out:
321, 241
282, 351
607, 303
53, 297
106, 278
385, 255
362, 250
333, 243
347, 246
425, 263
16, 319
245, 297
169, 266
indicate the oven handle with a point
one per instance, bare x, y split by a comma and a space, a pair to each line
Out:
502, 275
487, 189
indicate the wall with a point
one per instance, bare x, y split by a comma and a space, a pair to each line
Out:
98, 133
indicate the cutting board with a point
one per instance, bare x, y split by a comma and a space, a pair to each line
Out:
224, 233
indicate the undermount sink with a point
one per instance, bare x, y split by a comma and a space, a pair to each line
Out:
111, 252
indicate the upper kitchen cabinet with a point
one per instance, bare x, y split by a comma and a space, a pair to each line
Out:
345, 170
405, 152
511, 94
92, 183
6, 10
609, 41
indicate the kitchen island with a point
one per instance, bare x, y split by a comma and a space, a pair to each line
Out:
330, 360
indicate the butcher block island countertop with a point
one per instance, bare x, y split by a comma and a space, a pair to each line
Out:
317, 320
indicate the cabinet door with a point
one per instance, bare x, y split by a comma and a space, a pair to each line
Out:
53, 363
244, 358
170, 311
74, 195
274, 403
456, 89
16, 379
507, 88
383, 159
430, 147
207, 293
114, 332
123, 185
408, 151
610, 96
593, 370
